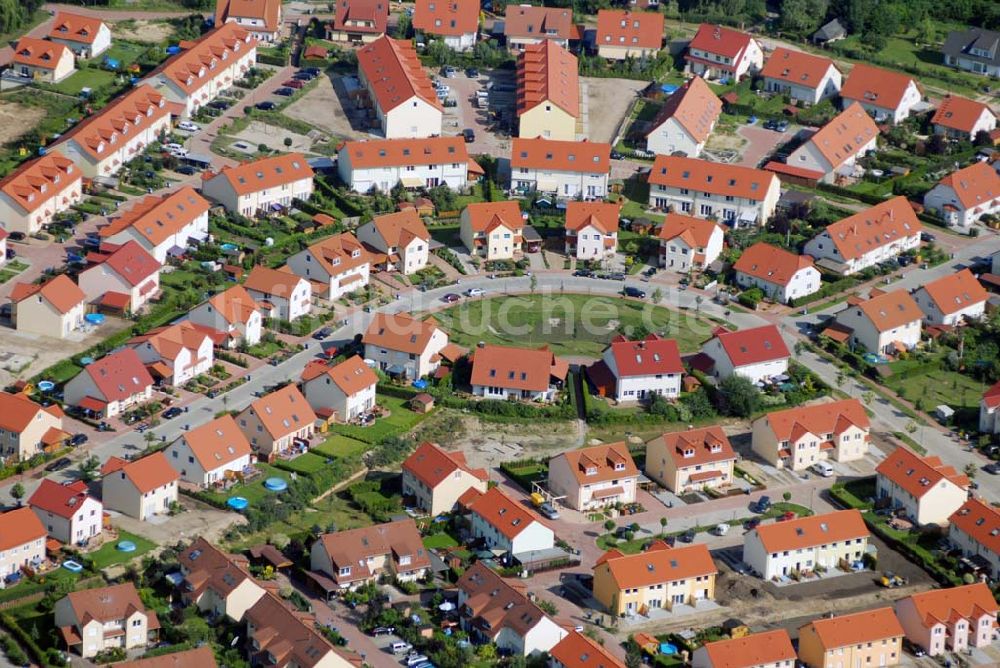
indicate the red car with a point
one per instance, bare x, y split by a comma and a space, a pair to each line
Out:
789, 515
294, 83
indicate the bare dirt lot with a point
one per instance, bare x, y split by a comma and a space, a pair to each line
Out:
274, 137
142, 30
15, 120
608, 100
322, 107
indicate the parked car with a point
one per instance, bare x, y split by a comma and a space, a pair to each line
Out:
17, 236
763, 505
615, 155
687, 536
548, 511
617, 276
294, 83
787, 515
383, 630
469, 134
284, 91
415, 660
266, 105
322, 333
751, 523
781, 126
475, 292
928, 237
585, 273
314, 71
472, 72
172, 412
220, 104
912, 648
993, 468
59, 464
631, 291
449, 72
78, 439
186, 170
304, 76
188, 126
450, 298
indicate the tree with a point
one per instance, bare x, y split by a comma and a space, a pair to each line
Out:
663, 525
787, 496
89, 468
633, 655
609, 525
17, 492
657, 295
802, 16
287, 142
868, 397
738, 396
534, 283
971, 470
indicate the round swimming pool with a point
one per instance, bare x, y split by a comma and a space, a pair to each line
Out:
46, 385
237, 503
94, 318
276, 484
125, 546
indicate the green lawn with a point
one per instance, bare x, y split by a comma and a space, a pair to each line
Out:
85, 78
439, 541
109, 555
125, 53
569, 324
340, 446
254, 491
400, 421
307, 463
935, 387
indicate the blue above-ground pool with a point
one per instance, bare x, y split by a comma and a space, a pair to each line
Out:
86, 360
668, 648
229, 248
46, 385
237, 503
94, 318
276, 484
125, 546
72, 566
420, 384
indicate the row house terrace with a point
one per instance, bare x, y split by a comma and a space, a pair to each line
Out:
955, 619
358, 556
780, 549
548, 92
163, 225
567, 169
975, 530
399, 90
414, 163
261, 187
923, 489
33, 194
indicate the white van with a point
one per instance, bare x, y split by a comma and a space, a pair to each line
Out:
823, 468
401, 647
721, 529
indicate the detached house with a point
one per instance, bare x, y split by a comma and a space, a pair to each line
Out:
287, 296
68, 511
220, 584
401, 95
501, 372
567, 169
27, 428
435, 479
973, 50
949, 620
175, 354
548, 92
333, 266
358, 21
768, 649
121, 278
638, 370
692, 460
778, 549
782, 275
662, 577
141, 488
723, 53
278, 422
401, 345
261, 17
885, 323
261, 187
594, 477
989, 411
688, 243
492, 609
867, 638
578, 651
735, 195
622, 34
867, 238
22, 542
211, 454
833, 151
924, 488
111, 385
283, 637
965, 196
42, 60
234, 313
401, 237
953, 299
34, 193
163, 225
504, 524
801, 76
757, 354
86, 36
797, 438
93, 620
493, 230
54, 308
456, 22
975, 530
343, 392
528, 24
888, 96
592, 229
358, 556
963, 119
685, 121
414, 163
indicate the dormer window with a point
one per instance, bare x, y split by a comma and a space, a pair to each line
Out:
591, 470
688, 452
619, 466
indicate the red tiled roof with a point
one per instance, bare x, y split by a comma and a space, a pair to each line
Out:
217, 443
757, 649
148, 473
133, 112
430, 464
17, 411
75, 28
832, 417
991, 397
400, 332
156, 218
811, 531
772, 264
132, 262
603, 216
502, 512
858, 628
168, 341
351, 376
975, 185
272, 282
339, 254
400, 152
696, 232
487, 216
283, 411
753, 346
395, 74
39, 53
942, 606
546, 72
400, 228
719, 40
873, 85
360, 12
578, 651
119, 375
711, 177
608, 461
62, 500
264, 174
918, 475
235, 305
526, 21
268, 11
959, 113
707, 445
797, 67
61, 292
446, 17
495, 604
649, 356
38, 180
955, 292
516, 368
890, 310
694, 105
201, 62
659, 563
980, 521
18, 527
873, 228
624, 28
845, 135
561, 156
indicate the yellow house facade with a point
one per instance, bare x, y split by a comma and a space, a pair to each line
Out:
549, 121
869, 638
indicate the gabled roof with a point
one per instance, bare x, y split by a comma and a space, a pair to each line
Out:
753, 346
772, 264
61, 292
487, 216
206, 567
395, 74
873, 228
39, 180
158, 217
168, 341
980, 521
146, 474
75, 28
696, 232
694, 105
132, 262
624, 28
831, 417
201, 62
235, 305
873, 85
527, 21
601, 462
431, 465
890, 310
719, 40
956, 291
962, 42
403, 152
283, 411
39, 53
18, 527
17, 411
546, 72
446, 17
339, 254
272, 282
856, 629
659, 563
61, 500
696, 447
351, 376
578, 651
268, 11
400, 228
496, 604
942, 606
797, 67
355, 547
645, 357
105, 604
561, 156
711, 177
516, 368
812, 531
357, 12
400, 332
918, 475
264, 174
288, 636
756, 649
959, 113
505, 514
977, 185
124, 117
602, 216
119, 375
991, 397
217, 443
844, 136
